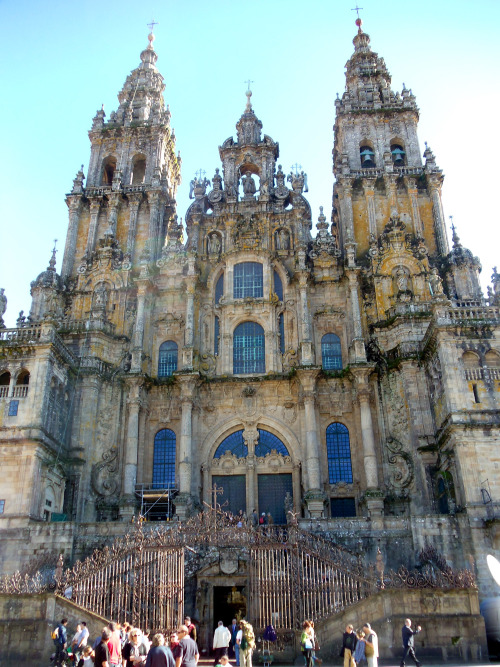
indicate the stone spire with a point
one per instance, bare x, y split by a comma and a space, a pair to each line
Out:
368, 81
249, 126
463, 271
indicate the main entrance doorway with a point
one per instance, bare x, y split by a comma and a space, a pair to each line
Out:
272, 492
229, 602
233, 497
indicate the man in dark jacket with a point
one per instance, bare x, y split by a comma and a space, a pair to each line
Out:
349, 641
101, 657
160, 655
61, 641
408, 649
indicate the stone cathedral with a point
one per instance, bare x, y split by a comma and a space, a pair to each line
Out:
341, 367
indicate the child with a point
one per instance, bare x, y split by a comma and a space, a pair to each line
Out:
86, 659
223, 661
359, 651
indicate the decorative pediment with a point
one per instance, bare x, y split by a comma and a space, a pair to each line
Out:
273, 460
228, 461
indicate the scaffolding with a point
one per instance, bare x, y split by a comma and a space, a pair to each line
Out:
157, 504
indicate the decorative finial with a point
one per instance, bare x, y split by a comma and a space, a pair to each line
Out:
151, 36
358, 21
454, 236
249, 95
52, 261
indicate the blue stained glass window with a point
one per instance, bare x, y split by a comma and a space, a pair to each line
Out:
278, 286
338, 450
2, 506
248, 280
267, 442
249, 352
331, 352
164, 460
167, 360
281, 328
13, 407
235, 444
219, 289
216, 335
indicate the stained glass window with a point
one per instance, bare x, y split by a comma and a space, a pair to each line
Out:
248, 280
164, 459
338, 451
249, 353
267, 442
167, 360
331, 352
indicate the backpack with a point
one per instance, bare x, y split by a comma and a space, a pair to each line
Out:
55, 633
243, 643
261, 520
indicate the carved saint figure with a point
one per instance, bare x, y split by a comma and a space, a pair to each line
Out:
213, 244
435, 282
401, 279
100, 297
282, 239
248, 184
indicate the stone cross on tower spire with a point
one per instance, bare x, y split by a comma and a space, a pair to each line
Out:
249, 95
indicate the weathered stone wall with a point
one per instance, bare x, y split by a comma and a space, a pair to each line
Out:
26, 622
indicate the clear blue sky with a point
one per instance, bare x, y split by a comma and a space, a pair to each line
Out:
61, 60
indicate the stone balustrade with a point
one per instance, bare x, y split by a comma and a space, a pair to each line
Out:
29, 334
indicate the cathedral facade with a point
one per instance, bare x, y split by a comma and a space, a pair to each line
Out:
349, 378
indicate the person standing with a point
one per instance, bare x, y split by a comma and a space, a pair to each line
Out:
175, 647
134, 652
349, 641
159, 655
114, 646
101, 655
222, 637
246, 640
61, 642
191, 627
234, 631
371, 645
189, 650
359, 652
307, 643
408, 642
255, 518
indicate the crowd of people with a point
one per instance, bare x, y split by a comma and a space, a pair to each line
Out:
362, 645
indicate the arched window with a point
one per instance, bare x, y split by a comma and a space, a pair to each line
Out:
249, 352
278, 286
267, 442
167, 360
281, 329
219, 288
492, 359
338, 450
108, 170
4, 384
23, 378
164, 460
138, 170
234, 444
367, 157
216, 335
398, 155
471, 360
331, 352
248, 280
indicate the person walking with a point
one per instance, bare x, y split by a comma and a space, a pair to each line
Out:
307, 643
371, 645
246, 640
101, 654
159, 655
234, 631
408, 642
349, 641
189, 649
114, 646
222, 637
61, 642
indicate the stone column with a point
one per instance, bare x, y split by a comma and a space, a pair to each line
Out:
305, 322
370, 206
134, 402
251, 437
345, 204
315, 498
134, 202
95, 207
154, 215
74, 204
139, 327
438, 215
185, 458
390, 183
114, 203
91, 387
413, 193
357, 349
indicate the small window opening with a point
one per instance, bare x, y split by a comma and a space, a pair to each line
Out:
2, 506
138, 171
367, 157
108, 171
13, 408
476, 393
216, 335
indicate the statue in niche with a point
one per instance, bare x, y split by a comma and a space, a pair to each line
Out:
402, 280
213, 244
100, 297
282, 239
248, 183
435, 283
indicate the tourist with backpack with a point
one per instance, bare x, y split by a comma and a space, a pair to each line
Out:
60, 638
246, 641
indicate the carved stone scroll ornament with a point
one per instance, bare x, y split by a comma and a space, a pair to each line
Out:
103, 476
401, 469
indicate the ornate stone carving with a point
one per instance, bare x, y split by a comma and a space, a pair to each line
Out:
103, 475
401, 469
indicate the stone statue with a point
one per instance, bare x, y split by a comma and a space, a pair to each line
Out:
435, 283
213, 244
401, 279
3, 305
21, 319
248, 184
282, 239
